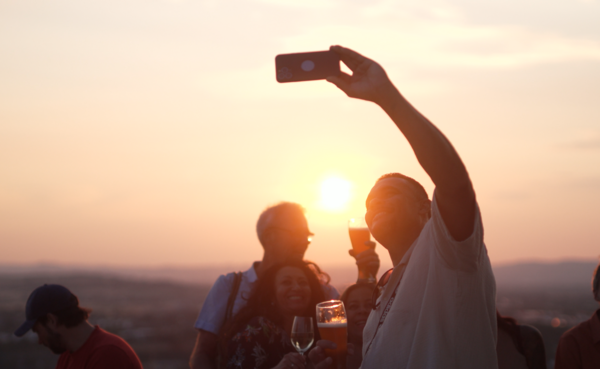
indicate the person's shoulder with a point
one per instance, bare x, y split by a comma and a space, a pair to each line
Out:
106, 339
576, 331
111, 350
529, 331
114, 349
63, 359
530, 335
114, 357
225, 281
226, 278
331, 293
468, 255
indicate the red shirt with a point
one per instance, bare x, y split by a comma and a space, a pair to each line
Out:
579, 347
102, 350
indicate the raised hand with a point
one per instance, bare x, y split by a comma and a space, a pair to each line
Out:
317, 355
367, 260
368, 80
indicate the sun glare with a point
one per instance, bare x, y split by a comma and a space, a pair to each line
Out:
335, 193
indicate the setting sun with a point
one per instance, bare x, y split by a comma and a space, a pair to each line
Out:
335, 193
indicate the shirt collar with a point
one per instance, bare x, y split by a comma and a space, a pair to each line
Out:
596, 326
251, 273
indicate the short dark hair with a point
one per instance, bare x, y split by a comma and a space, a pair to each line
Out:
596, 281
274, 211
69, 317
354, 287
419, 190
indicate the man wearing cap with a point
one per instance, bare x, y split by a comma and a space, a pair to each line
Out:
54, 314
579, 347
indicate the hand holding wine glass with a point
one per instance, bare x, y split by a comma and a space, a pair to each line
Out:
303, 333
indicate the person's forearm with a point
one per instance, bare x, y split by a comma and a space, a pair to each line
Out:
205, 351
432, 149
200, 360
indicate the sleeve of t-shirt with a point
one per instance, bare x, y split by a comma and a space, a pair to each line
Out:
462, 255
331, 293
112, 357
212, 314
567, 354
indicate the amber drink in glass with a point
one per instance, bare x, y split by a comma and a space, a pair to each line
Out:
333, 326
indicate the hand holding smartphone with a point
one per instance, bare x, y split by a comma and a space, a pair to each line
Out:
306, 66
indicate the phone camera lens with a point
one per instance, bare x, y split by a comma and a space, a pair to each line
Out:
307, 65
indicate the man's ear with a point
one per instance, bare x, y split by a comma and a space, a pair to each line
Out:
52, 321
268, 237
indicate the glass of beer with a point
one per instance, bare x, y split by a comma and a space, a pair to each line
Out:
333, 326
303, 333
359, 236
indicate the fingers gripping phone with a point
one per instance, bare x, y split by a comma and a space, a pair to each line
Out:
306, 66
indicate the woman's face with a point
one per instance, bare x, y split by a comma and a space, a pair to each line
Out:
292, 291
358, 307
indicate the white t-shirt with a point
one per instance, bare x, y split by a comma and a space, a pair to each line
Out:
212, 314
438, 307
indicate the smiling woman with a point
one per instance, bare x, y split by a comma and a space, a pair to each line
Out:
335, 193
258, 336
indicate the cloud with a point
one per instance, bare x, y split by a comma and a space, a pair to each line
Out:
512, 195
306, 4
589, 142
587, 183
451, 44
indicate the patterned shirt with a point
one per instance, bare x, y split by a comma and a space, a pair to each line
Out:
261, 345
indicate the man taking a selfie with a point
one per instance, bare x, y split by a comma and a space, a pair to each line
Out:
437, 307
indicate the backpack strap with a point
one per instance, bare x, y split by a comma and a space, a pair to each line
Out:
235, 287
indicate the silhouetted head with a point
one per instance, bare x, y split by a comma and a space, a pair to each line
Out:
283, 231
357, 300
397, 207
596, 283
51, 309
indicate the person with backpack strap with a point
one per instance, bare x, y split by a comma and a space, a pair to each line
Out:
283, 232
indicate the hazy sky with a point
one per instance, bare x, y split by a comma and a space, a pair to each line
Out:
154, 132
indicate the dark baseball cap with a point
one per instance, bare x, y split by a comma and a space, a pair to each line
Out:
46, 299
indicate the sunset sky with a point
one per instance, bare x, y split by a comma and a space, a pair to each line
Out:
150, 133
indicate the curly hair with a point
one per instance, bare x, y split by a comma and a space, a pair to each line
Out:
263, 294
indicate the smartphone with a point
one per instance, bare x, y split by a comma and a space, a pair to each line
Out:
306, 66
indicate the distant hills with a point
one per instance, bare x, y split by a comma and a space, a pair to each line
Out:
563, 274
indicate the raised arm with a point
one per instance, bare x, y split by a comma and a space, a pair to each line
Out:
454, 191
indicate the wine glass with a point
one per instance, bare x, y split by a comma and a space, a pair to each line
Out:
303, 333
